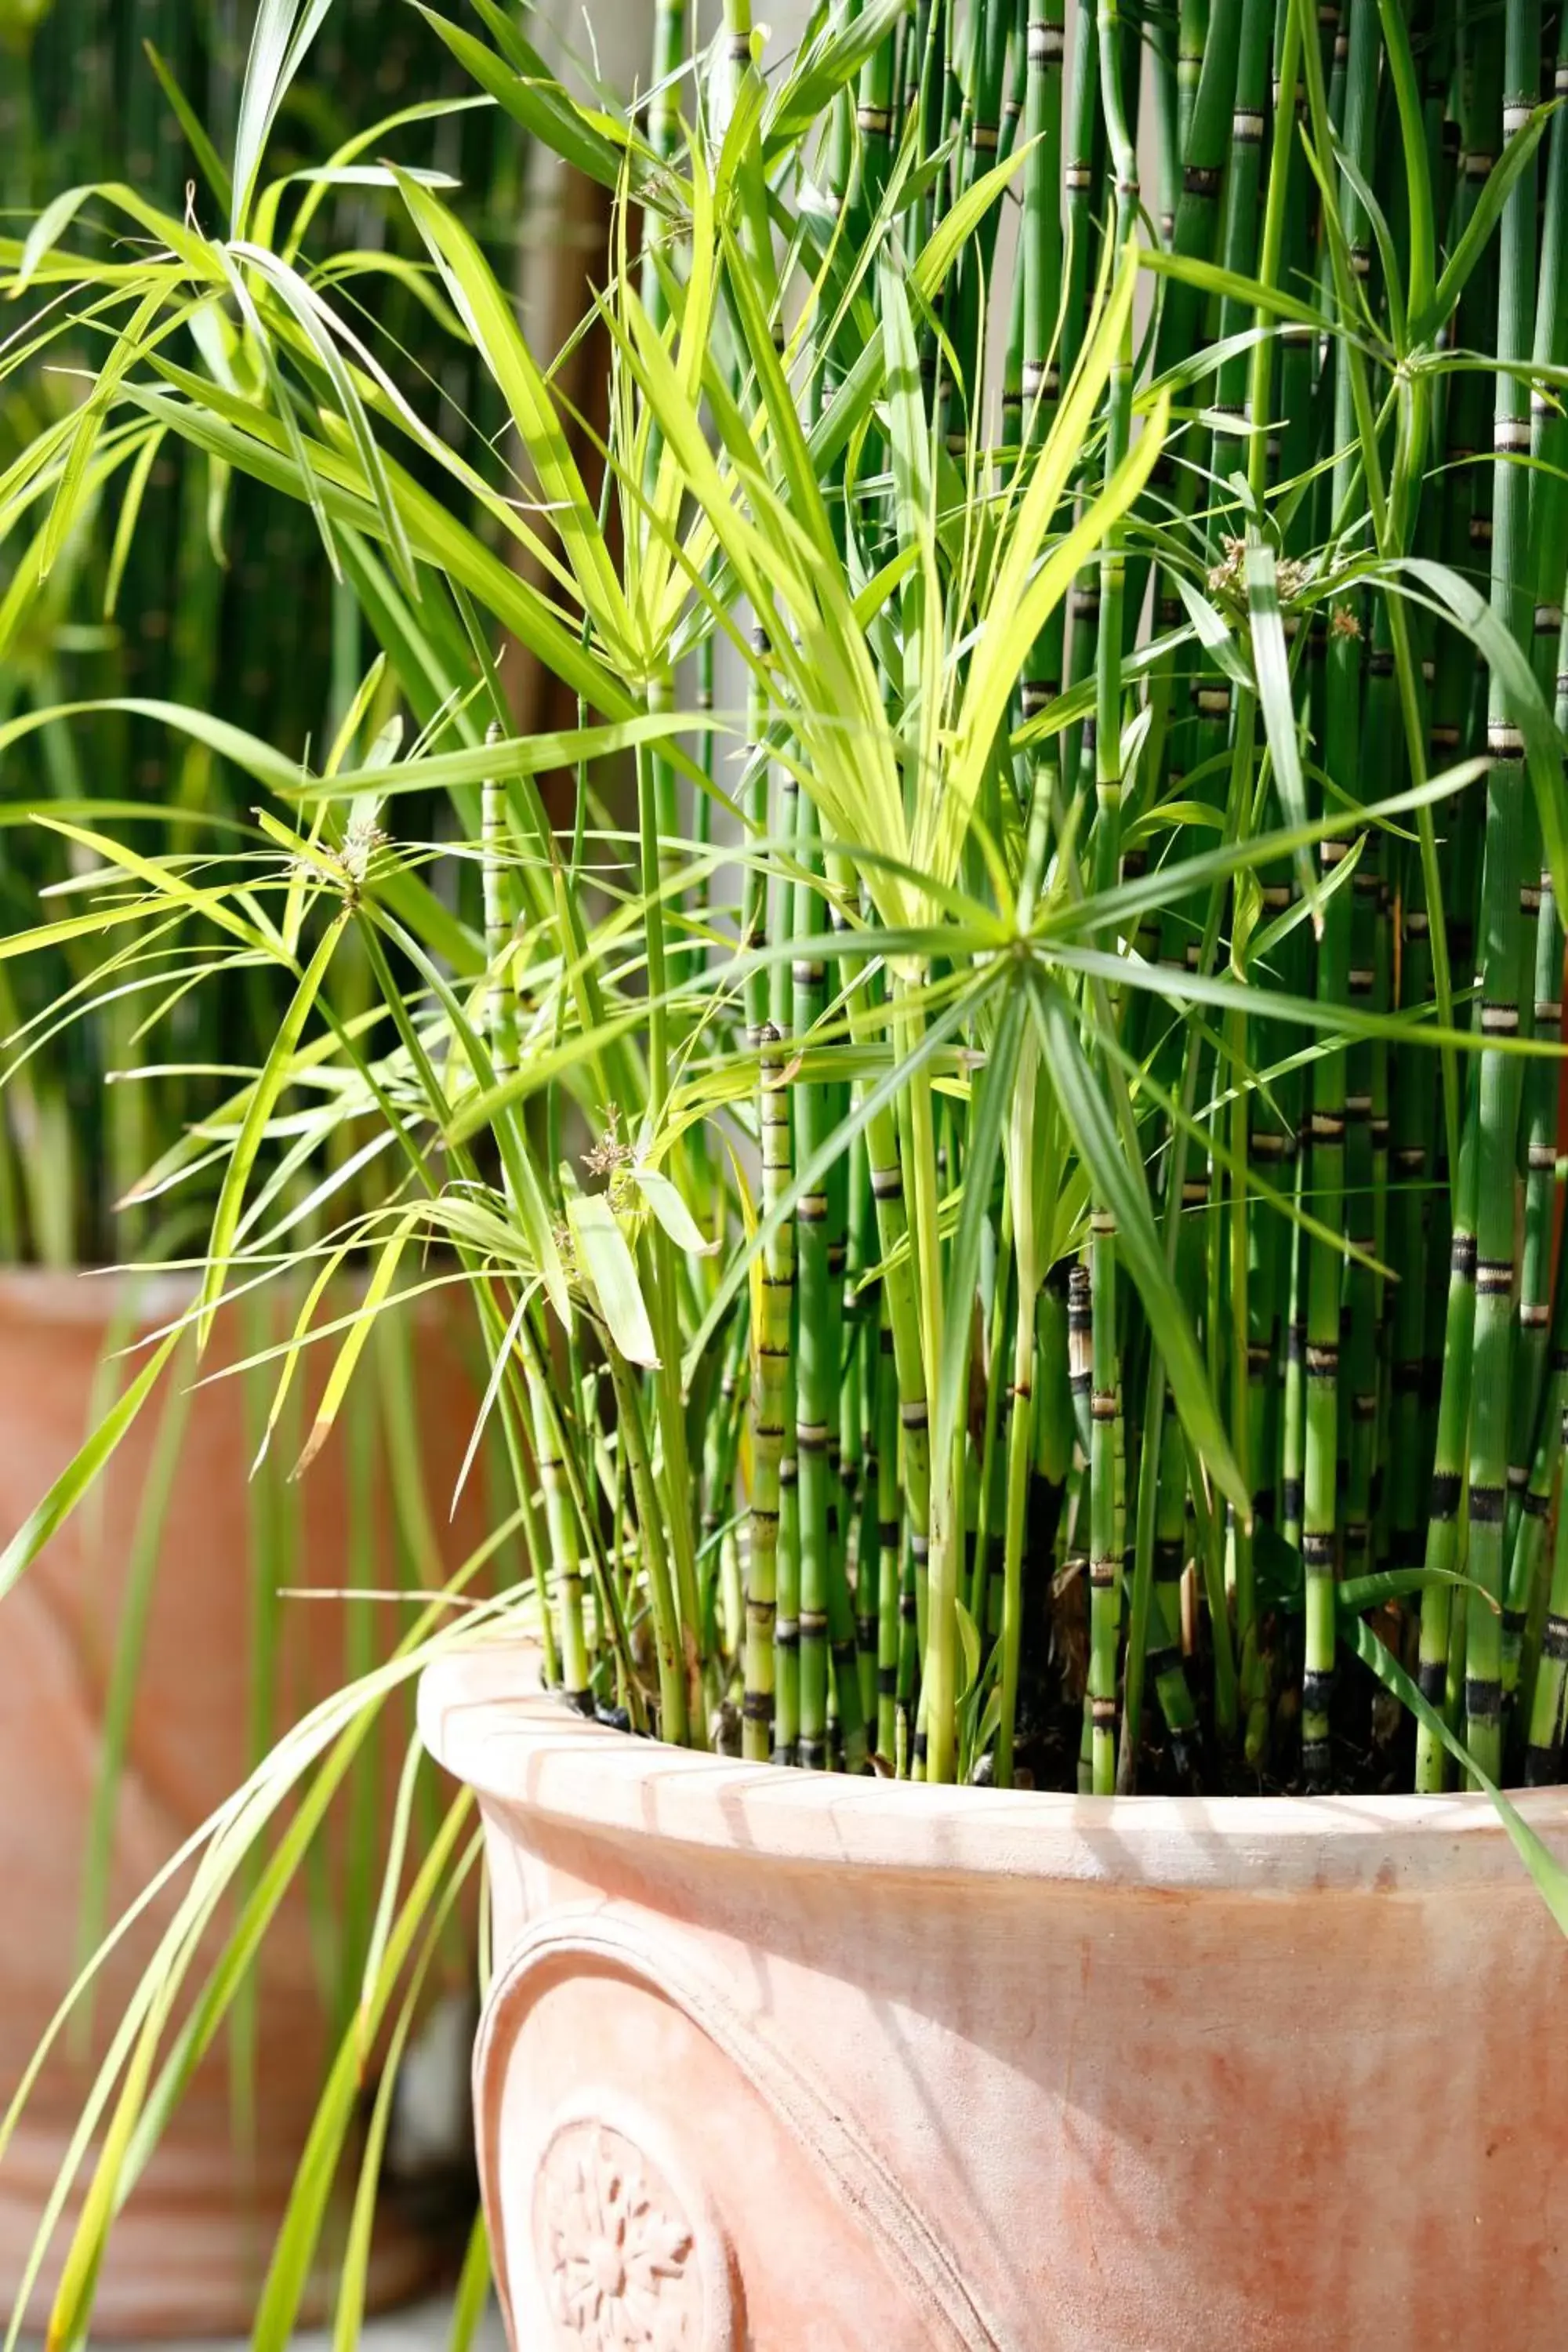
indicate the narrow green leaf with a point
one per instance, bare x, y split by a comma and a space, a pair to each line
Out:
362, 1323
275, 1075
826, 64
1359, 1593
992, 1102
1544, 744
130, 511
612, 1274
1215, 637
1549, 1874
125, 1679
80, 1474
1138, 1245
282, 34
488, 311
969, 1652
536, 99
664, 1201
1421, 241
1496, 189
214, 170
1271, 661
471, 2294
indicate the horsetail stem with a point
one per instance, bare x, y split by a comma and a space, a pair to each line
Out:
1499, 971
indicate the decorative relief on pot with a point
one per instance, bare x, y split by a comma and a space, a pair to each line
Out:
624, 2266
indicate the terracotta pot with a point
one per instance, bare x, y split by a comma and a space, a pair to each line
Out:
192, 2244
805, 2064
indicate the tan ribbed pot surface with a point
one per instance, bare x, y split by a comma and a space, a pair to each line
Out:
797, 2064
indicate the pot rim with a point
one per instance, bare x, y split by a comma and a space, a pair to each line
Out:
91, 1294
483, 1716
98, 1295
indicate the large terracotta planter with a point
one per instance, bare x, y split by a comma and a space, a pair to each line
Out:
802, 2064
192, 2244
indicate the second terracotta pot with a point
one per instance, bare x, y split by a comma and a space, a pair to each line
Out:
191, 2247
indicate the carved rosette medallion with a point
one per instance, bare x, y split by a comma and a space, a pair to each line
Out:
620, 2259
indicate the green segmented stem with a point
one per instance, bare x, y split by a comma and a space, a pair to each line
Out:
778, 1282
1320, 1530
1041, 378
989, 1487
502, 1002
1166, 130
1205, 145
1534, 1414
876, 122
1358, 1393
852, 1710
1413, 1127
669, 56
545, 1431
887, 1171
1083, 207
1204, 112
850, 1231
663, 136
1105, 1561
981, 134
1165, 1663
815, 1366
1020, 1463
561, 1519
1527, 1553
1192, 54
1325, 1184
1242, 214
667, 1629
1522, 1631
1293, 1391
1543, 1754
771, 1353
1538, 1151
889, 1546
720, 1456
943, 1533
1041, 233
1449, 1456
770, 1377
1015, 81
1105, 1546
1501, 945
786, 1624
857, 1428
655, 793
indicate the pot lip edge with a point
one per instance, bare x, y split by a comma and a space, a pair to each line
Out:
96, 1295
87, 1294
484, 1719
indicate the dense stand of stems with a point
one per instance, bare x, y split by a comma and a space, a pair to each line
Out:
1351, 1392
1081, 1217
